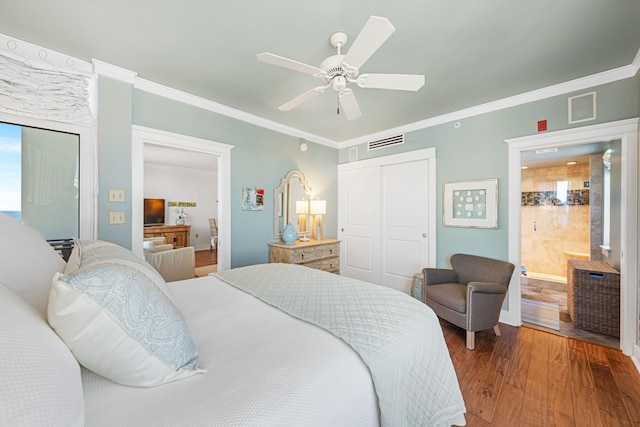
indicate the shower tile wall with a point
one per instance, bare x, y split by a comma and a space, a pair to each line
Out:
553, 232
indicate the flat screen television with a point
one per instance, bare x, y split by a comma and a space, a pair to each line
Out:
153, 212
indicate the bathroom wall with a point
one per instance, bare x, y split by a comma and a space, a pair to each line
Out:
554, 230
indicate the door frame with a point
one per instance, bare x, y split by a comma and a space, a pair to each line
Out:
627, 132
142, 135
428, 154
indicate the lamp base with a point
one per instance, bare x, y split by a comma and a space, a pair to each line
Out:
317, 228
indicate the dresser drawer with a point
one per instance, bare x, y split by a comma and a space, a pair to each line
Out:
327, 264
319, 254
303, 254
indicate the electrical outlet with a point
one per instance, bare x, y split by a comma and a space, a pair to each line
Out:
116, 196
116, 218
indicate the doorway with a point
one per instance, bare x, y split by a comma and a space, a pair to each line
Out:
565, 192
222, 152
627, 132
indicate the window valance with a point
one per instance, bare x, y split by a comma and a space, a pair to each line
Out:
42, 83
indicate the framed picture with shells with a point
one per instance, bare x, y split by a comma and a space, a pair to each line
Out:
471, 204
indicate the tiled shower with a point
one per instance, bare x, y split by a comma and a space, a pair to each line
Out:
555, 219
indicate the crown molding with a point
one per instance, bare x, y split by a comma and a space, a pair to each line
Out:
524, 98
582, 83
118, 73
196, 101
636, 63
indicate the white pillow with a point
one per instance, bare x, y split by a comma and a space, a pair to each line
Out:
27, 262
92, 252
40, 380
118, 320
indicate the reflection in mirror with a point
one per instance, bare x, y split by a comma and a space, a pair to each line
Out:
293, 188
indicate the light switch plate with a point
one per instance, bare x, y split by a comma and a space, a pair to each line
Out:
116, 218
116, 196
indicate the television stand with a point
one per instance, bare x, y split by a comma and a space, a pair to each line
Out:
177, 235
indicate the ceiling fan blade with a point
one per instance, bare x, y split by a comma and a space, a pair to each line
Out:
349, 104
310, 94
374, 33
281, 61
411, 82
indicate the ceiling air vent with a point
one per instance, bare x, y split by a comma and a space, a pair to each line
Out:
386, 142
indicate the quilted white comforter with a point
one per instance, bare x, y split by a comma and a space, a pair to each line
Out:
269, 368
398, 338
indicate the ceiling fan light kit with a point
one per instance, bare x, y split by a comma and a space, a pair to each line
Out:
338, 71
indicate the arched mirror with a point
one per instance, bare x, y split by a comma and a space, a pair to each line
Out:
293, 188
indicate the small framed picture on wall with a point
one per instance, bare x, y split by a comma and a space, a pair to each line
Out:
472, 204
252, 199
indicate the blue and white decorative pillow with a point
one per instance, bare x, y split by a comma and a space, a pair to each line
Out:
116, 315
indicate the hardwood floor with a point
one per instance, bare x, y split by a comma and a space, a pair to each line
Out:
528, 377
206, 257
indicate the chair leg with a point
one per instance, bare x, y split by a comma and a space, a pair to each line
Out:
496, 329
471, 340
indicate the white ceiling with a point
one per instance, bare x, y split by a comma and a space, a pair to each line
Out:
472, 52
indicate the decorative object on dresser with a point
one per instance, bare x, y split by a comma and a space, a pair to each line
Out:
317, 209
177, 235
319, 254
289, 234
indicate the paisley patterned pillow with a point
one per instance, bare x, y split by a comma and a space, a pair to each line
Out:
116, 315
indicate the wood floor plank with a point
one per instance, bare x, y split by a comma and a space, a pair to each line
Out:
628, 380
583, 394
509, 407
612, 410
559, 401
534, 405
546, 380
519, 365
484, 400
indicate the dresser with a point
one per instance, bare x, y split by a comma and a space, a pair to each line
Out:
319, 254
177, 235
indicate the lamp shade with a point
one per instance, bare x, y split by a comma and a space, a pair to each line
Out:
302, 206
318, 207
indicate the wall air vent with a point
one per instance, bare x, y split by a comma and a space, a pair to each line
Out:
386, 142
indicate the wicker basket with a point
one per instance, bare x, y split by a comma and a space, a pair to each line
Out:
593, 296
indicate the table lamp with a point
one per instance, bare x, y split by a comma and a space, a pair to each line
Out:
318, 208
302, 209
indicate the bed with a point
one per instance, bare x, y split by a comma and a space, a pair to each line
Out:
276, 345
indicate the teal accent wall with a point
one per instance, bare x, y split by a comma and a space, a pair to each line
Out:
476, 150
114, 157
261, 158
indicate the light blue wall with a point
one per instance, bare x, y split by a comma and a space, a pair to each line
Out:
261, 158
476, 150
114, 157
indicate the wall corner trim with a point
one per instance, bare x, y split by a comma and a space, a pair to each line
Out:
108, 70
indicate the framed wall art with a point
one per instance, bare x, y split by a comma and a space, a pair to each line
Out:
252, 199
471, 204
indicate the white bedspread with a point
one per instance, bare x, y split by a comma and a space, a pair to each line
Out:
265, 368
399, 338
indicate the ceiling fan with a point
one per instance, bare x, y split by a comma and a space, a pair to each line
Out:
338, 71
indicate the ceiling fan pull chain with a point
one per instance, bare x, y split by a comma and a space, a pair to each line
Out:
338, 108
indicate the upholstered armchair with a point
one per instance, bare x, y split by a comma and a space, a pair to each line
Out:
172, 264
470, 294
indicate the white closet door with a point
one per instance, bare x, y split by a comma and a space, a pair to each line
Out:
386, 218
359, 223
404, 223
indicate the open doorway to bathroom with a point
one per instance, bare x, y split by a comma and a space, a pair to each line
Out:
566, 214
